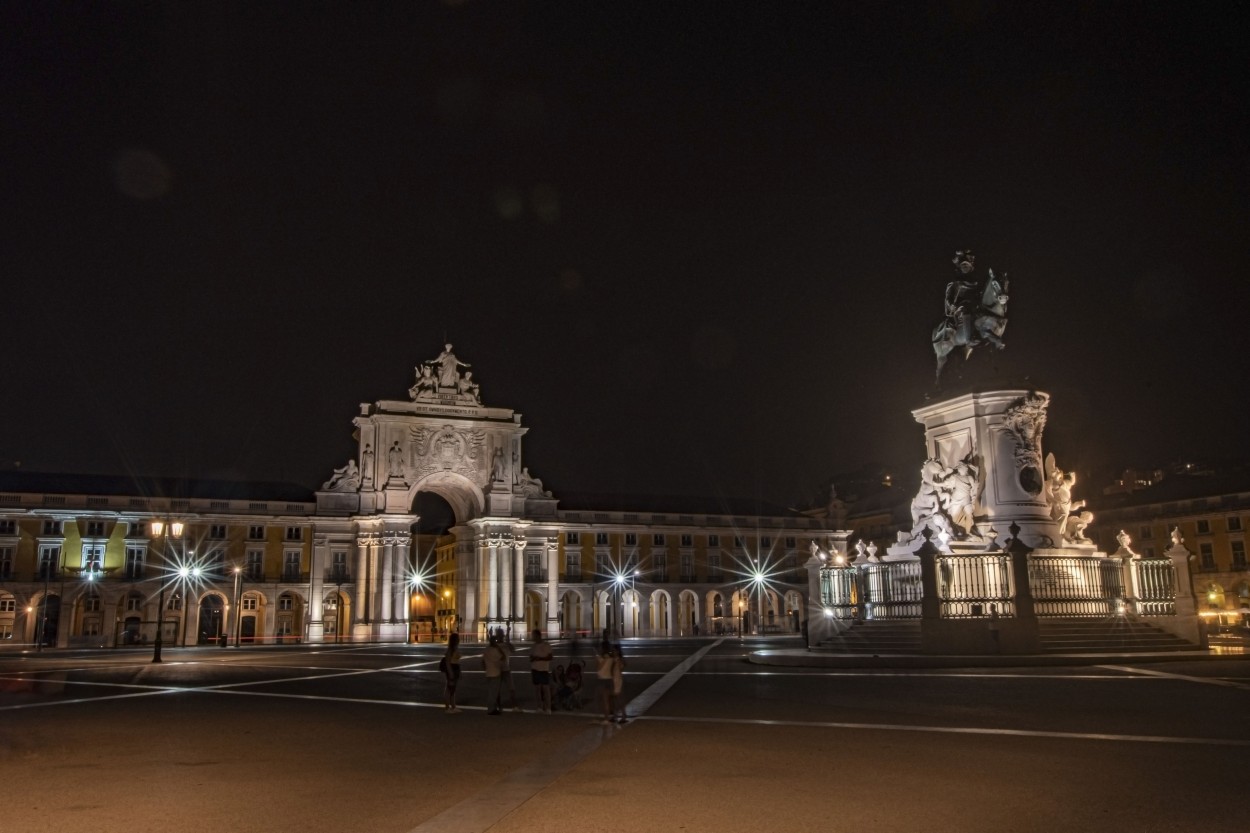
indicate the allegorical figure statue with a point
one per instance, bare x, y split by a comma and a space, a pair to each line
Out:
448, 368
345, 479
426, 383
1059, 494
395, 462
971, 319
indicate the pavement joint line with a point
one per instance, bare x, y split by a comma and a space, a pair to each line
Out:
480, 811
101, 699
923, 675
1165, 675
957, 730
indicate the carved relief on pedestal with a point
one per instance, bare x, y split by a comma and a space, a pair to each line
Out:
1024, 420
449, 449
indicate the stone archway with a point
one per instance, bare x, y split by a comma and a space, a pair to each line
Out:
212, 612
466, 499
661, 614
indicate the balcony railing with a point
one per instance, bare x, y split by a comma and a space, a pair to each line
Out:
535, 575
338, 577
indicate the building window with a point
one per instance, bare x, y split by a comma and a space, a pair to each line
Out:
134, 603
134, 562
8, 605
294, 533
92, 557
660, 564
91, 627
687, 565
1239, 555
6, 563
713, 540
49, 557
601, 539
1204, 527
1148, 552
249, 602
713, 566
572, 538
175, 602
95, 529
687, 540
1234, 523
8, 527
290, 567
657, 540
217, 532
285, 602
51, 527
766, 542
738, 541
1146, 533
603, 565
255, 568
790, 542
572, 565
256, 533
338, 570
91, 604
1208, 556
631, 539
138, 529
215, 563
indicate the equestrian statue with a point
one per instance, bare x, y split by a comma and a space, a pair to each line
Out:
970, 322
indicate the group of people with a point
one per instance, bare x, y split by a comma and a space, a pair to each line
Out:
559, 690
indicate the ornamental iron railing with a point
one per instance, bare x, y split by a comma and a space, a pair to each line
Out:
976, 586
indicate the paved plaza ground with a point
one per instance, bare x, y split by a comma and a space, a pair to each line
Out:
354, 738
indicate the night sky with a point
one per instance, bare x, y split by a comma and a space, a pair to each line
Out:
700, 246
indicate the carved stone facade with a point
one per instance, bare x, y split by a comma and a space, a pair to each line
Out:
344, 564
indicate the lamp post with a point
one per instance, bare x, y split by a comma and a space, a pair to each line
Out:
163, 531
238, 581
759, 604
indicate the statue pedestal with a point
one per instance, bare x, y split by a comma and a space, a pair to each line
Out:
1001, 433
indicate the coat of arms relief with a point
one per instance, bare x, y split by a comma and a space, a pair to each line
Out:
448, 448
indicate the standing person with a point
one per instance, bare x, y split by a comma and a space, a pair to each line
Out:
618, 684
493, 661
540, 670
603, 671
450, 666
506, 646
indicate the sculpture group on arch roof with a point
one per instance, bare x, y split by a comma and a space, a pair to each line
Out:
975, 313
440, 378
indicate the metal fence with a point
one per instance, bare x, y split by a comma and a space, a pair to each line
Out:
976, 586
891, 590
983, 586
1065, 585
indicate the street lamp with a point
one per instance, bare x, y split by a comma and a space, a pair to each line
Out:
759, 603
163, 531
238, 579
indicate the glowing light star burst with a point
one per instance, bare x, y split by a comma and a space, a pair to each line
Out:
759, 574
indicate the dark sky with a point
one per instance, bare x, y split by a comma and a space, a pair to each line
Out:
700, 246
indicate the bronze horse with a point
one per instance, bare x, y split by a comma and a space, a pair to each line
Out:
967, 326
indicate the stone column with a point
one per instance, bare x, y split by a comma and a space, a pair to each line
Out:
507, 579
388, 576
360, 602
552, 559
492, 580
518, 587
316, 577
1185, 623
402, 605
